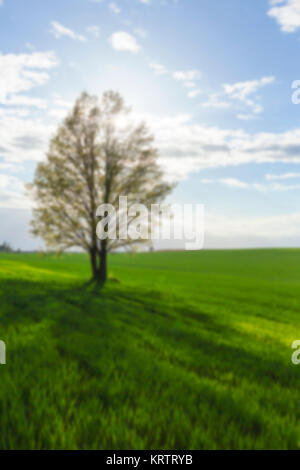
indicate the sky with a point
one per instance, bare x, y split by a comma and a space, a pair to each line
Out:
217, 82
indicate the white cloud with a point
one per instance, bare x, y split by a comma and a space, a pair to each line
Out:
158, 68
58, 31
246, 117
240, 93
21, 100
22, 139
22, 72
244, 232
284, 176
186, 147
114, 8
286, 13
142, 33
187, 76
285, 187
215, 101
189, 84
30, 46
60, 108
94, 31
241, 90
122, 41
12, 193
235, 183
194, 93
230, 182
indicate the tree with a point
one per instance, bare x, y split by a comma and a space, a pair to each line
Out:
95, 157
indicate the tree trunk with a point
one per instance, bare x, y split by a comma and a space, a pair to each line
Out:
99, 270
102, 273
93, 257
99, 273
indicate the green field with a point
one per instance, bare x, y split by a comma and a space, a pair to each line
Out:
186, 351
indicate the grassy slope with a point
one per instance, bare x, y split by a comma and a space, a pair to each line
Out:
190, 350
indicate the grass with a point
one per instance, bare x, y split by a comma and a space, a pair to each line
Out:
188, 351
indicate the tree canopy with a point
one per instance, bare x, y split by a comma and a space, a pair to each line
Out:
96, 156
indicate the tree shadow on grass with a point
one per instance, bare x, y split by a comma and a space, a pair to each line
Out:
128, 346
119, 315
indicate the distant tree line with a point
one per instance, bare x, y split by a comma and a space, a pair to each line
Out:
5, 248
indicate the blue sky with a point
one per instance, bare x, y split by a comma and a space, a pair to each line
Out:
213, 80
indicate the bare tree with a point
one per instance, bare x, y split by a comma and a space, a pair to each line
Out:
95, 158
